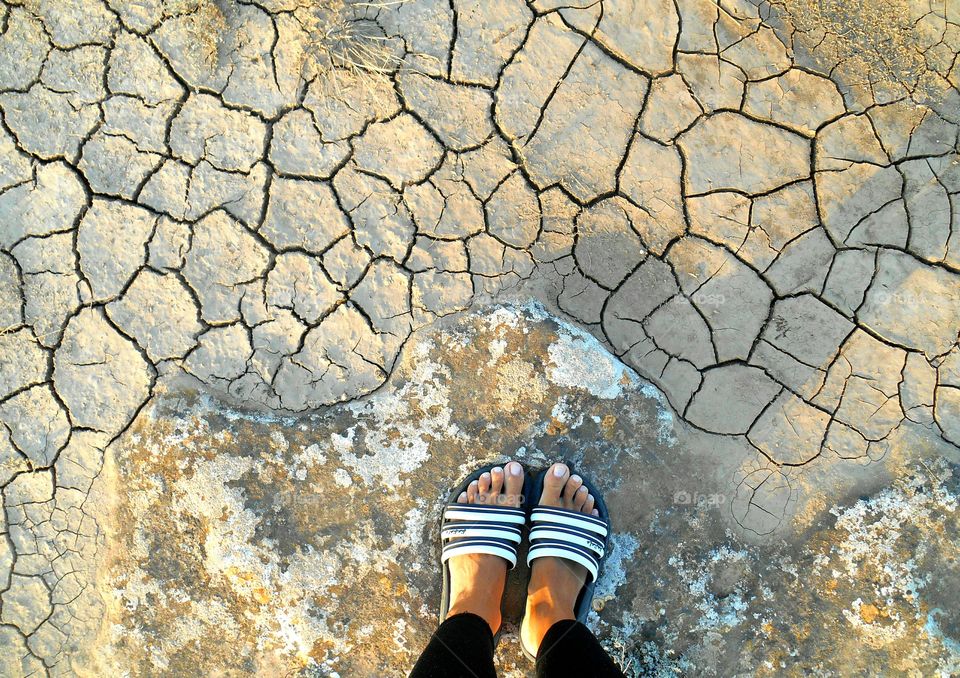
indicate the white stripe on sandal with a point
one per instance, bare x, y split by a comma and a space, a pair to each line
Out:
573, 536
568, 518
481, 529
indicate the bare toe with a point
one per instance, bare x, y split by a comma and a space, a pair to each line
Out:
483, 487
513, 484
472, 492
570, 490
580, 498
462, 499
553, 483
588, 504
496, 481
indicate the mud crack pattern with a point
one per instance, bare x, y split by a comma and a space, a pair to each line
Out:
189, 186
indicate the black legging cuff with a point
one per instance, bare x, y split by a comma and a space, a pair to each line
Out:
570, 649
461, 647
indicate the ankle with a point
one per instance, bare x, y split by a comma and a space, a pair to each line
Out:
547, 599
545, 611
546, 606
542, 613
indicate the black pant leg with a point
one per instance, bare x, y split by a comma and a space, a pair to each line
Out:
570, 649
461, 648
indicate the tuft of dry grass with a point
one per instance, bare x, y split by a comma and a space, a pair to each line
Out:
339, 37
348, 54
344, 38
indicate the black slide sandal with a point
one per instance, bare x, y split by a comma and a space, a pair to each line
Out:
478, 528
563, 533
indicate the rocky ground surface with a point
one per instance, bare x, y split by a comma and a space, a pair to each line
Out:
247, 256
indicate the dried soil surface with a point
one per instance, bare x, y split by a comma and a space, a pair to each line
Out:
275, 274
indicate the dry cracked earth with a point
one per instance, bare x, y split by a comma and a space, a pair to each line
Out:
275, 273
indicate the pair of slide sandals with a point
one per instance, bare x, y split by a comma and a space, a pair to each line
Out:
498, 530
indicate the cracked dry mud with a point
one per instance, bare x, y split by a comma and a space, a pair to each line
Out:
258, 311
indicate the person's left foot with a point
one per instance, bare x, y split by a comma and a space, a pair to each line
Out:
477, 580
555, 583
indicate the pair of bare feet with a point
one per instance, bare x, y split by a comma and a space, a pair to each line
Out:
477, 581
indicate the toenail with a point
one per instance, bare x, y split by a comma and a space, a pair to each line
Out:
515, 469
582, 490
497, 469
576, 479
559, 471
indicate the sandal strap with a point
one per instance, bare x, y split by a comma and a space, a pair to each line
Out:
572, 519
573, 536
486, 513
479, 528
467, 547
567, 536
462, 529
567, 552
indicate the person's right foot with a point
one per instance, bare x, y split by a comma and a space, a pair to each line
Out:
555, 583
477, 580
